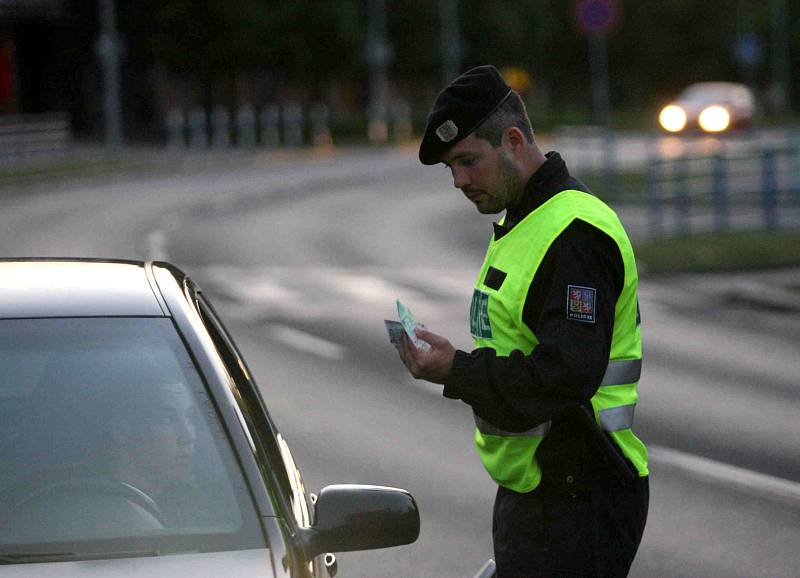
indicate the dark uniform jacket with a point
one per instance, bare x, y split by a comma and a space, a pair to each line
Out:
563, 372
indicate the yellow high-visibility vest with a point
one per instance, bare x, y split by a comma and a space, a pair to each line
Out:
496, 322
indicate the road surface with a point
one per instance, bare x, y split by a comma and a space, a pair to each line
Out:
304, 257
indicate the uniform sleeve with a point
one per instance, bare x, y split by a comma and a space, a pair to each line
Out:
570, 308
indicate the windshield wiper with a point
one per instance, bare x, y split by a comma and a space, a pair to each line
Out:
34, 557
28, 557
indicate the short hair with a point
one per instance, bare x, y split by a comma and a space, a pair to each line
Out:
511, 113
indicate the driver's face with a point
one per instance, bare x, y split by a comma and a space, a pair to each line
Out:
165, 444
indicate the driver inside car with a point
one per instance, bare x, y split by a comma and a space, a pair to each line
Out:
153, 440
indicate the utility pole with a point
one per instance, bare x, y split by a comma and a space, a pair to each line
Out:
747, 50
601, 93
781, 70
378, 57
450, 40
108, 51
597, 19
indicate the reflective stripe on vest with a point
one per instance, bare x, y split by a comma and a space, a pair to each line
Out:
486, 428
619, 372
617, 418
622, 371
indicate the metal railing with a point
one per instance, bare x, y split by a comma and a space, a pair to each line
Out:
30, 135
693, 183
759, 189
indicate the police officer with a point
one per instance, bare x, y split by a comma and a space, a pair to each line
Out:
552, 380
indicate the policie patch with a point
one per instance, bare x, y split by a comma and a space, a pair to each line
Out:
580, 303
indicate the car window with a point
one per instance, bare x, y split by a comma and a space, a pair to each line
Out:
110, 443
288, 478
707, 92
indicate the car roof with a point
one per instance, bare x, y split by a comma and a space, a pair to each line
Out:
715, 88
77, 288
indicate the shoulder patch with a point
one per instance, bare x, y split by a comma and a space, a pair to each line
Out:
580, 303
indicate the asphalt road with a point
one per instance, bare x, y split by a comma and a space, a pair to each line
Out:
304, 257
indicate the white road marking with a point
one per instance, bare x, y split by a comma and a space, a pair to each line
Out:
306, 342
265, 290
274, 285
366, 288
755, 483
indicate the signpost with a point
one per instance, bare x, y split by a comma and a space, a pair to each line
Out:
108, 49
596, 19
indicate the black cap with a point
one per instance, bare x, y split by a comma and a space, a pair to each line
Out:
460, 108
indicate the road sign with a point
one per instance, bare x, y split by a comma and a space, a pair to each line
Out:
747, 50
596, 17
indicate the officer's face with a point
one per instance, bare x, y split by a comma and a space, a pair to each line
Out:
487, 175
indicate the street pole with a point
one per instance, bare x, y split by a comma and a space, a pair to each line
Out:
378, 54
601, 106
781, 70
450, 40
598, 61
748, 50
109, 52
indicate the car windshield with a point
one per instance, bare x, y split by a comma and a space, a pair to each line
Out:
708, 92
110, 444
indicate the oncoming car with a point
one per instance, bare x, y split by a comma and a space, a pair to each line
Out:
134, 442
712, 107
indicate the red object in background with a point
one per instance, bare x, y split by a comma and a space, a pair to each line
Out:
6, 73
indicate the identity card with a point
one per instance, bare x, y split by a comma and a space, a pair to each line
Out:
409, 324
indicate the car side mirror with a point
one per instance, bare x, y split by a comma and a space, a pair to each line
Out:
354, 517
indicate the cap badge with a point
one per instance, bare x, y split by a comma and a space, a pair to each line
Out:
447, 131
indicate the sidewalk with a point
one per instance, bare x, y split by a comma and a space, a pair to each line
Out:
93, 162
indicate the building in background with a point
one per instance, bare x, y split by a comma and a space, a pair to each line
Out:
46, 59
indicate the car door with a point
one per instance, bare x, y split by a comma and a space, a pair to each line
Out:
276, 460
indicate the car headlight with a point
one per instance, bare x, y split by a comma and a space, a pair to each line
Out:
672, 118
714, 118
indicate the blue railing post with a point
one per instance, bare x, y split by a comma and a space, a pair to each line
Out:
198, 135
270, 126
719, 192
220, 128
610, 162
769, 189
795, 148
681, 194
176, 127
246, 127
655, 202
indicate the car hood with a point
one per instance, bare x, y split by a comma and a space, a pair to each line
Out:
241, 563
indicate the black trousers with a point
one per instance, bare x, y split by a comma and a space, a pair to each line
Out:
565, 528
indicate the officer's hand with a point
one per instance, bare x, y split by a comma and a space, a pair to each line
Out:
433, 365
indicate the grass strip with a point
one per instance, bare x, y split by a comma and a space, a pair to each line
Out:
722, 251
59, 169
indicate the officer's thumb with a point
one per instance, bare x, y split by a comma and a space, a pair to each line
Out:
426, 335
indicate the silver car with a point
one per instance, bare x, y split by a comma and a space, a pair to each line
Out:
134, 441
711, 107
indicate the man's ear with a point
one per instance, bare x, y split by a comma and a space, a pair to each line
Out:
513, 138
